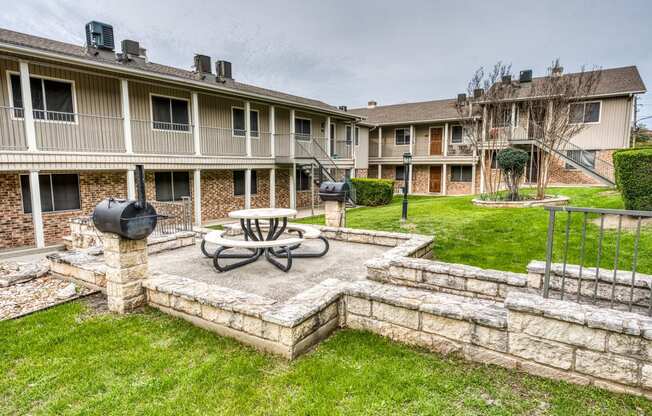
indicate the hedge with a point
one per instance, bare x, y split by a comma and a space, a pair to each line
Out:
634, 177
373, 192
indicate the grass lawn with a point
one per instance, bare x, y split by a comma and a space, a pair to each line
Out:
504, 239
68, 360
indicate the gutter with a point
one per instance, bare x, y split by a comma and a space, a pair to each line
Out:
167, 78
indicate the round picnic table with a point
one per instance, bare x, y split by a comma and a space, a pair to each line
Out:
262, 228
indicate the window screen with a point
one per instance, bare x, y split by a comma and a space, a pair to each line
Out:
302, 128
461, 173
171, 186
238, 122
400, 173
59, 192
402, 136
456, 134
239, 182
51, 100
170, 114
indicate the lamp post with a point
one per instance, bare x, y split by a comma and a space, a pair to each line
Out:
407, 161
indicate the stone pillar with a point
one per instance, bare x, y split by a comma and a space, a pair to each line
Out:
126, 268
335, 213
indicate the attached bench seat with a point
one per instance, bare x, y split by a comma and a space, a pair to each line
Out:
256, 249
305, 231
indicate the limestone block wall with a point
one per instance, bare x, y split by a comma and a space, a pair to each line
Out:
621, 287
458, 279
287, 328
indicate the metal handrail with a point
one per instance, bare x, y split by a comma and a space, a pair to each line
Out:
596, 273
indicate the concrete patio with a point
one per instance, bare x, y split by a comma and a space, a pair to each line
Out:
344, 261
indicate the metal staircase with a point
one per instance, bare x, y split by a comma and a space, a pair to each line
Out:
577, 157
324, 166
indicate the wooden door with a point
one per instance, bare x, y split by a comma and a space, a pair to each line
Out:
435, 179
435, 141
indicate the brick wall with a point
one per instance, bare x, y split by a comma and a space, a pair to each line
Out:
420, 179
217, 197
389, 172
283, 188
16, 227
361, 173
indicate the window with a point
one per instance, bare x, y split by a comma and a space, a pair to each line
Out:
456, 134
461, 173
348, 135
583, 157
503, 117
239, 182
238, 115
302, 128
585, 112
402, 136
171, 186
333, 131
59, 192
170, 114
399, 175
51, 100
303, 180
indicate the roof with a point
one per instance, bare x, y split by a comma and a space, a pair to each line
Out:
613, 81
410, 112
75, 51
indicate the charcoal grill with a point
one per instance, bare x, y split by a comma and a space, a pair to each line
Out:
130, 219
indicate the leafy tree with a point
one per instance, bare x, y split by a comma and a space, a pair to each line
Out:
512, 163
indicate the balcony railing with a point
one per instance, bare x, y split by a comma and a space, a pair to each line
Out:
78, 132
460, 150
12, 130
343, 150
161, 138
221, 141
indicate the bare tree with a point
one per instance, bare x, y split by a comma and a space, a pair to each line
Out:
554, 105
486, 109
488, 116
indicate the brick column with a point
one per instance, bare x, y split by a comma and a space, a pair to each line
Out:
126, 268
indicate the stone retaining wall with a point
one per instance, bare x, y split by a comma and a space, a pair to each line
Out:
641, 295
452, 278
285, 328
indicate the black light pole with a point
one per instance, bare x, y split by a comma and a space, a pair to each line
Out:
407, 161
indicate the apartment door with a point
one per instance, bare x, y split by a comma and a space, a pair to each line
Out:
435, 141
435, 179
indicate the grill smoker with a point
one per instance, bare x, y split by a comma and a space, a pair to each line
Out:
334, 191
133, 220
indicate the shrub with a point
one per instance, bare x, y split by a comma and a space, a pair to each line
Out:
373, 192
634, 177
512, 163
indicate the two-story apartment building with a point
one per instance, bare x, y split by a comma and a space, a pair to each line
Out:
76, 120
445, 161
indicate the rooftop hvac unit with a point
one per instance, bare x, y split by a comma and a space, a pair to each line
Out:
203, 64
461, 98
130, 47
478, 92
99, 35
525, 76
224, 70
507, 79
343, 108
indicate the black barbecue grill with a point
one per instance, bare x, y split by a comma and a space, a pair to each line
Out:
334, 191
133, 220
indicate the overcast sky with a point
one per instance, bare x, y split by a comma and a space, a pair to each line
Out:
348, 52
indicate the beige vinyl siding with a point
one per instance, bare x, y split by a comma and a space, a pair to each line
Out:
362, 150
282, 125
145, 138
261, 145
390, 149
98, 123
12, 130
612, 132
216, 125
